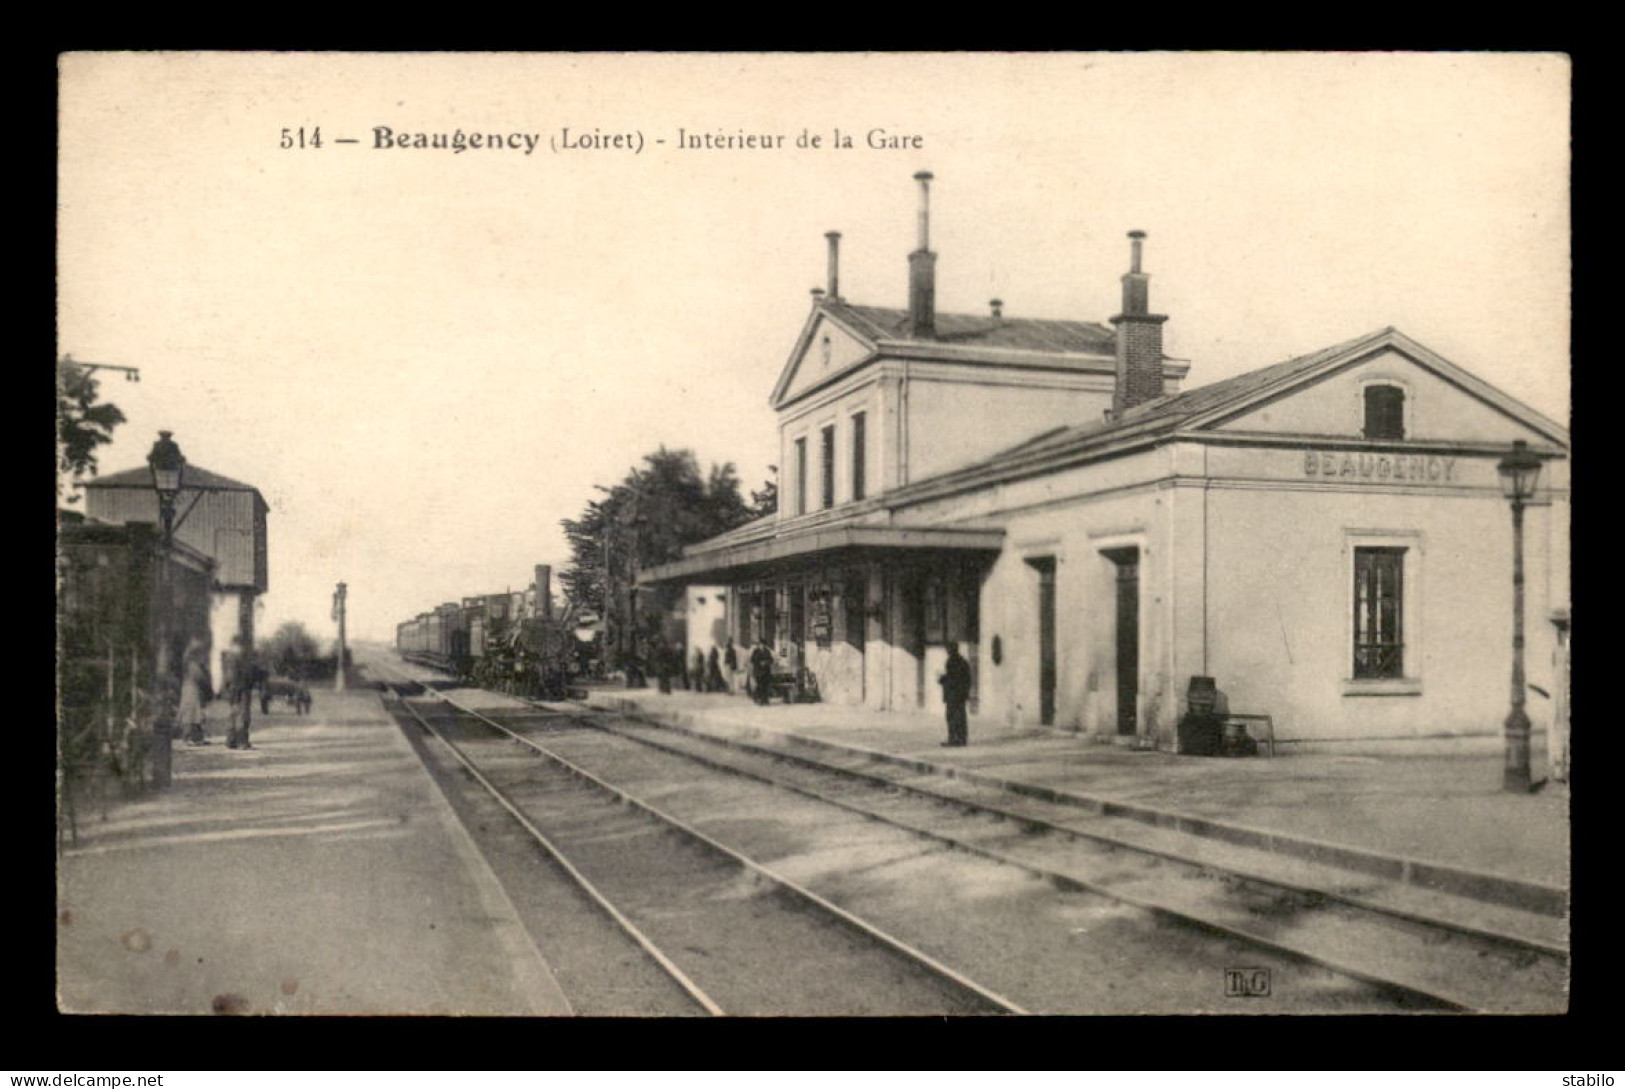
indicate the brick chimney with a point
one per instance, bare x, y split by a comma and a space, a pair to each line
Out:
834, 294
922, 271
1139, 340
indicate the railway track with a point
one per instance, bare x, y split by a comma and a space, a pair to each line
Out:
731, 934
1469, 967
1411, 962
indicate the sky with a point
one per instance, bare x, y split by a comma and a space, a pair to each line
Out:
425, 358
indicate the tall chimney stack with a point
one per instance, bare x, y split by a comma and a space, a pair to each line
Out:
834, 265
922, 270
1139, 339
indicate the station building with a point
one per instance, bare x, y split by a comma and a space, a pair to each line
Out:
217, 517
1326, 536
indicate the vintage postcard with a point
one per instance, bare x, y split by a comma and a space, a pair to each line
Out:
853, 534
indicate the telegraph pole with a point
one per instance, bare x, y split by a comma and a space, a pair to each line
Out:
131, 374
338, 614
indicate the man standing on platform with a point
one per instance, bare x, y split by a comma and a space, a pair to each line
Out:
761, 670
955, 681
239, 692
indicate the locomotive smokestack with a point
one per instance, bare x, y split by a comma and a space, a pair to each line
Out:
544, 590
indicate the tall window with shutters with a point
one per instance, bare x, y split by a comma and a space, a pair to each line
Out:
859, 450
1379, 609
801, 476
826, 463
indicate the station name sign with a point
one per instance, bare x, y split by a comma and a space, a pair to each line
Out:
1420, 468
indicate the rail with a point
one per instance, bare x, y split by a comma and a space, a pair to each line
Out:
955, 979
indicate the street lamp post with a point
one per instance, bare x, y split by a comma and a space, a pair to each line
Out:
1519, 472
339, 608
626, 634
168, 466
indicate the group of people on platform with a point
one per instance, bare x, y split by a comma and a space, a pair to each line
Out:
702, 673
244, 678
715, 671
705, 673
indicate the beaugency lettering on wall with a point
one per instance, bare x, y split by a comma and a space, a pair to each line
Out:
1419, 468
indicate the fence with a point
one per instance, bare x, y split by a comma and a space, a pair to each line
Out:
127, 610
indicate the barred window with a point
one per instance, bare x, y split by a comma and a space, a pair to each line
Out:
1379, 647
1384, 412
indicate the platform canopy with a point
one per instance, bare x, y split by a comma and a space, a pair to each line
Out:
837, 544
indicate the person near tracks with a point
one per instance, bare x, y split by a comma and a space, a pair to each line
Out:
761, 670
731, 660
713, 673
239, 692
195, 695
955, 681
660, 658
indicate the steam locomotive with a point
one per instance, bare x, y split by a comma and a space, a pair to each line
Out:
511, 642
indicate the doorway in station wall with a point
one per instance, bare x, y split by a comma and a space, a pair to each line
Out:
1127, 562
1045, 566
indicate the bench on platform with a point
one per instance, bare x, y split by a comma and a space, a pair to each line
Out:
794, 686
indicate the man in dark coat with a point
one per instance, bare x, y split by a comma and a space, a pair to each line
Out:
713, 673
731, 660
239, 693
660, 658
761, 672
955, 681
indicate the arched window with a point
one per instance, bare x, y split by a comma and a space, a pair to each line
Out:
1384, 412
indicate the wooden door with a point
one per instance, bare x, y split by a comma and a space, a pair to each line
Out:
1046, 639
1128, 638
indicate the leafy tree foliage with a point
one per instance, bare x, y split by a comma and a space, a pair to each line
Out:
290, 651
643, 521
766, 501
82, 423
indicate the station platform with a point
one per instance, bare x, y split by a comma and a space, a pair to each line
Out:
1426, 811
320, 872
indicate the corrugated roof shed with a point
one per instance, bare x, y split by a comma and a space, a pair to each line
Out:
196, 477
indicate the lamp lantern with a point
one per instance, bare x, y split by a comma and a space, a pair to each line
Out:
168, 467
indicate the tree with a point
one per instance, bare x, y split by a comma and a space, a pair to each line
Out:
766, 501
642, 522
290, 650
82, 424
